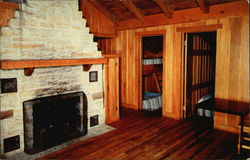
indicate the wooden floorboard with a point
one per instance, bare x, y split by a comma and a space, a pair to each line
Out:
141, 135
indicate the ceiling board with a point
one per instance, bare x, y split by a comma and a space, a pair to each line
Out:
149, 7
136, 11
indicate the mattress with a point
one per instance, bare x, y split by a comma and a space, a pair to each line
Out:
151, 101
149, 61
200, 111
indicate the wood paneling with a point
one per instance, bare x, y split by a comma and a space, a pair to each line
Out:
205, 28
108, 46
188, 15
232, 64
99, 24
6, 12
98, 5
232, 71
112, 90
127, 43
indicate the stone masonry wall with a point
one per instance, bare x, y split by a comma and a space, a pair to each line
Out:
47, 30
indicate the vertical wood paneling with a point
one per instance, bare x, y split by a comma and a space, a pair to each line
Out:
127, 45
99, 24
107, 45
232, 77
235, 40
176, 75
235, 25
112, 90
243, 91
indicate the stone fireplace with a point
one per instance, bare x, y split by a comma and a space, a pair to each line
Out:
52, 120
49, 30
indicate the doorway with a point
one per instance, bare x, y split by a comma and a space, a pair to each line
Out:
152, 58
199, 69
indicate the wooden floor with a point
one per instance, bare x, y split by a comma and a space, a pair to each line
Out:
140, 135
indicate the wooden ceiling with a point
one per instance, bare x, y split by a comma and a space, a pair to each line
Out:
120, 10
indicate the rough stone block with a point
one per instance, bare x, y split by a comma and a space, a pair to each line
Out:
7, 31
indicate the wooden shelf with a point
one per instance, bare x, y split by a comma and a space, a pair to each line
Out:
9, 5
15, 64
6, 114
30, 65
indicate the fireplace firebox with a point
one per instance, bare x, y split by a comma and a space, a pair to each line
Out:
50, 121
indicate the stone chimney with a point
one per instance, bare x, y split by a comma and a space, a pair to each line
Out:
47, 29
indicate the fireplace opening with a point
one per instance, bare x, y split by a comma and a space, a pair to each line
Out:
50, 121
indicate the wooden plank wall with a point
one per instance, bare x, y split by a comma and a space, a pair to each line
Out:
232, 64
107, 46
232, 73
112, 90
99, 24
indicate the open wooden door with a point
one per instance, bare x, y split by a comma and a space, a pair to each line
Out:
199, 68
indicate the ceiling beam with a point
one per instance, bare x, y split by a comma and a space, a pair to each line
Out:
203, 6
165, 8
188, 15
133, 9
98, 5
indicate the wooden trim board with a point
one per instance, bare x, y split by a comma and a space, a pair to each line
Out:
105, 35
15, 64
203, 28
9, 5
130, 106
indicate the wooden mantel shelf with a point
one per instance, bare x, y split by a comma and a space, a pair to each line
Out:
15, 64
29, 65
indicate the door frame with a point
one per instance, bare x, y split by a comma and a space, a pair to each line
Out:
139, 36
193, 29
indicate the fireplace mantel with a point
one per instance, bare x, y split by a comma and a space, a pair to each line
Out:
30, 65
